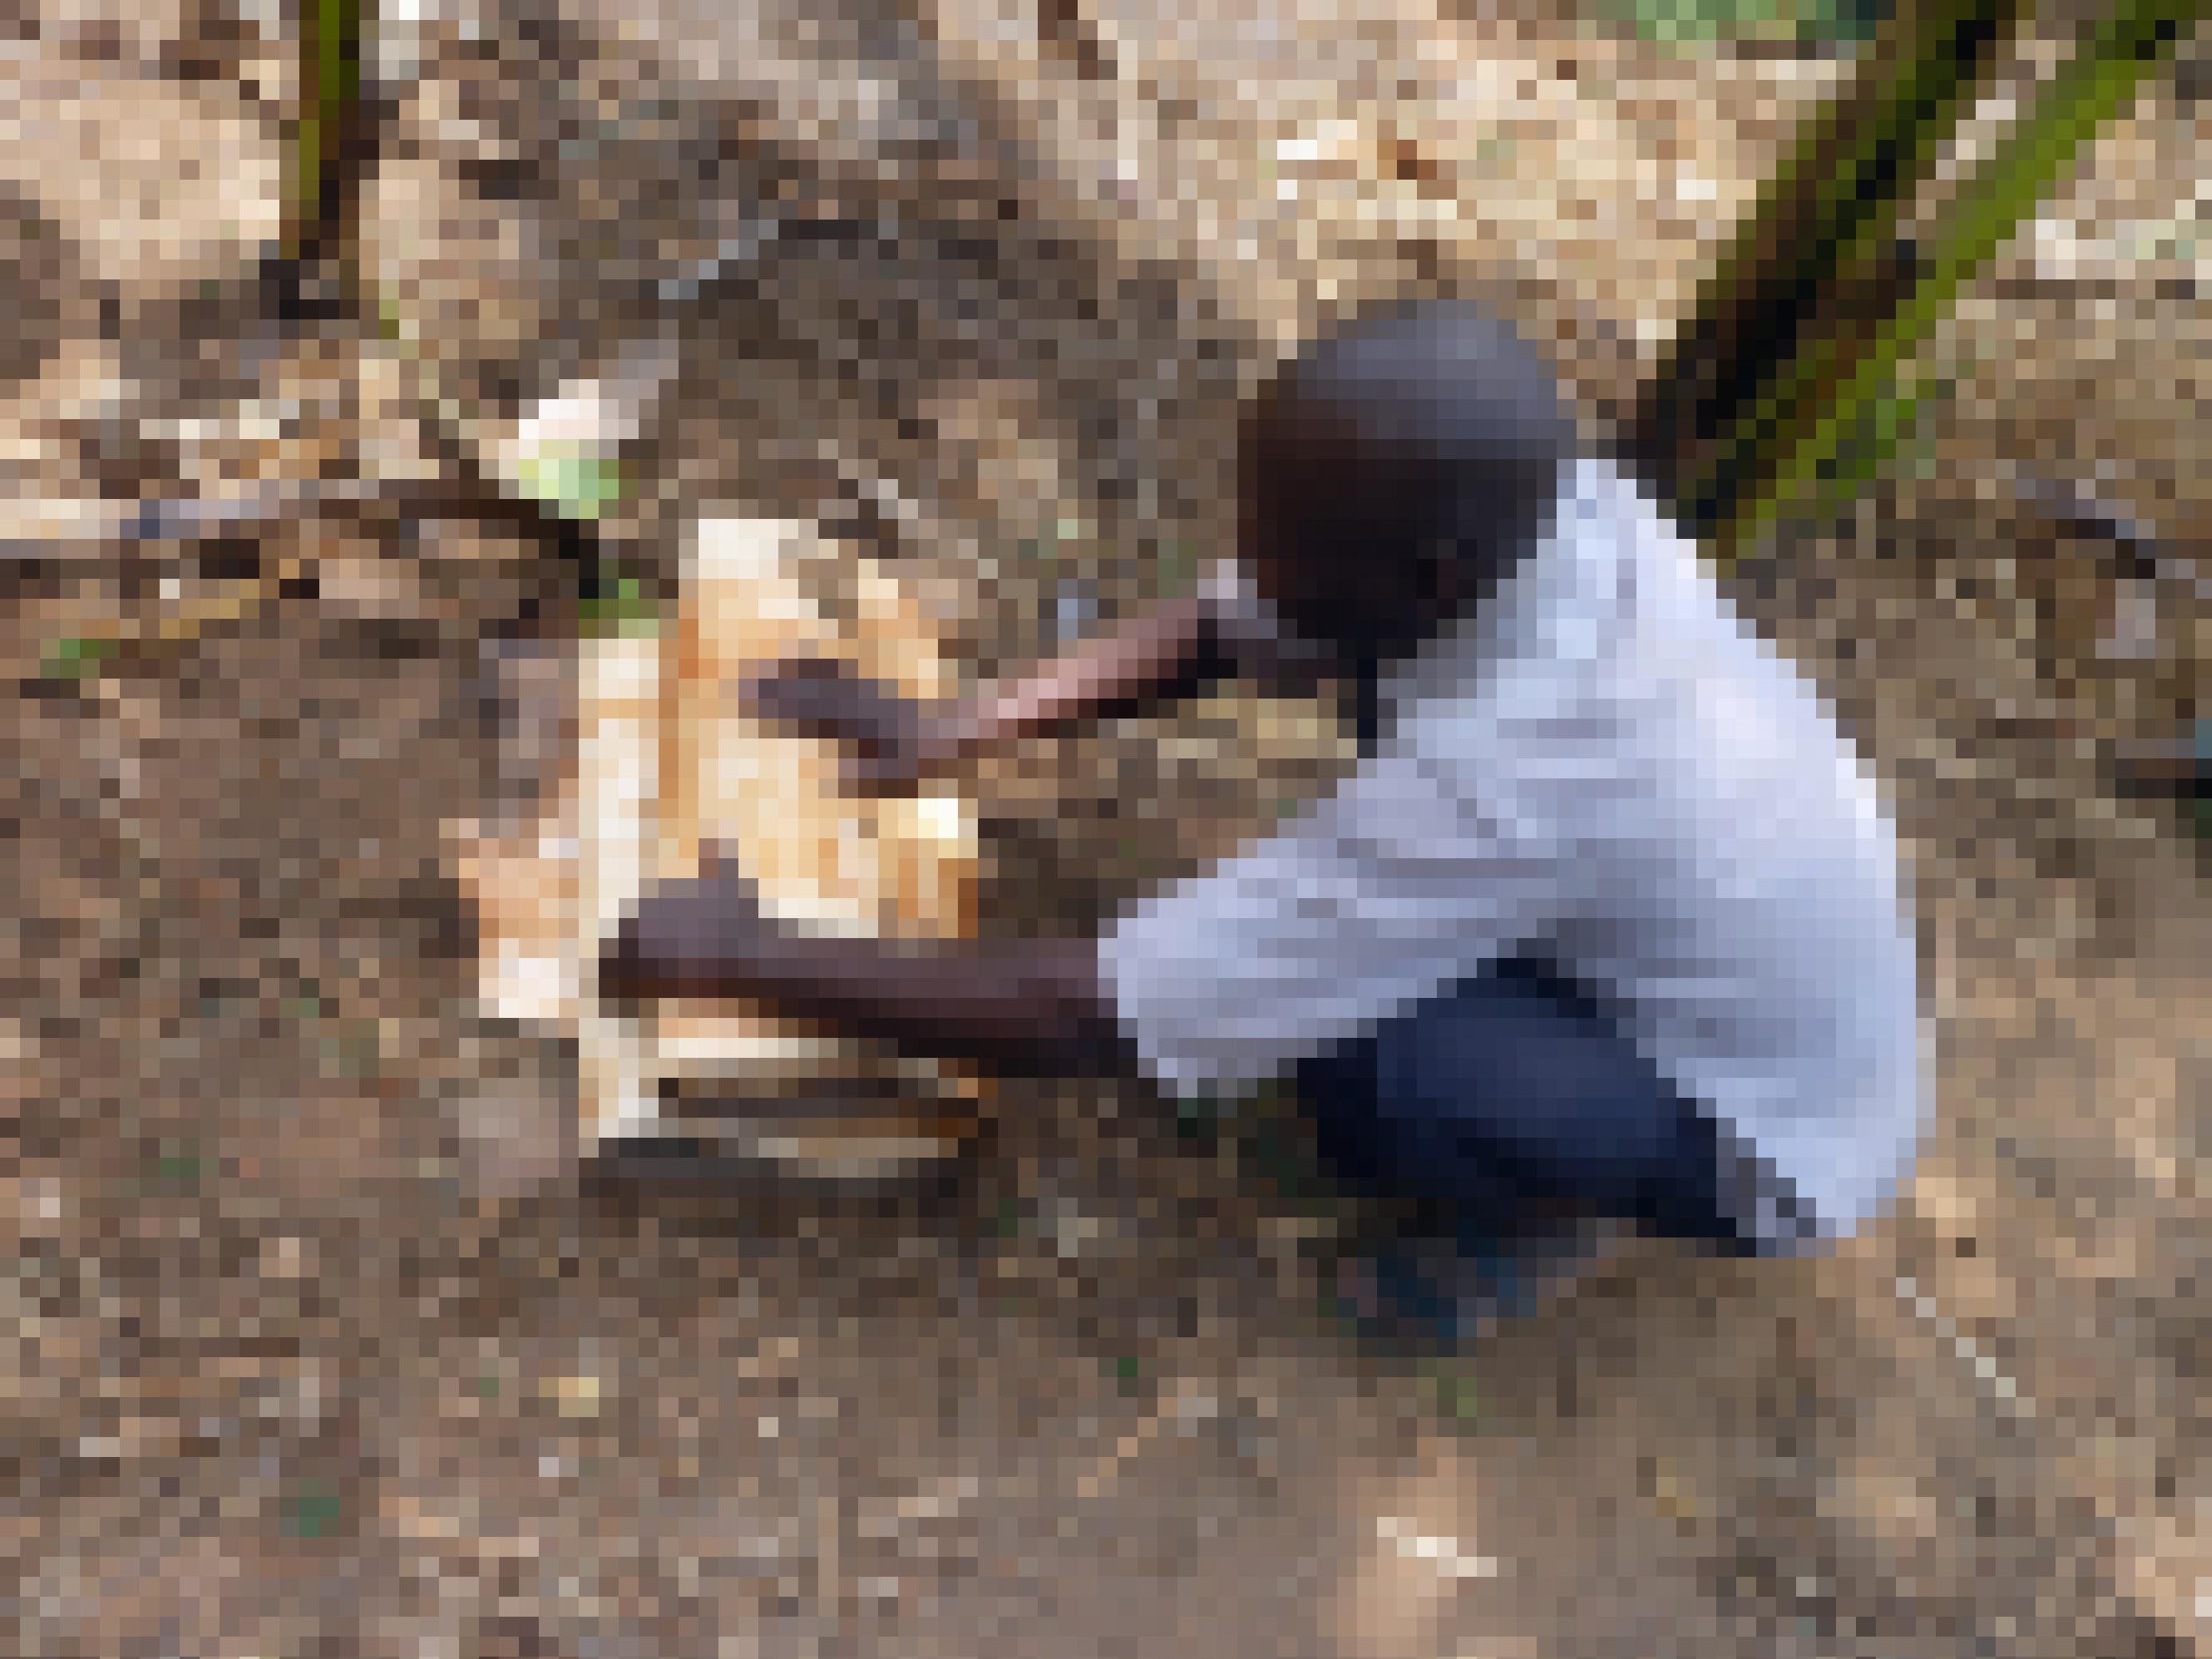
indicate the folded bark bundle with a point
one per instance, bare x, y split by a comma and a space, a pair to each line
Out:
666, 770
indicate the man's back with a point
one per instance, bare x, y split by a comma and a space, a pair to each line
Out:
1608, 768
1750, 916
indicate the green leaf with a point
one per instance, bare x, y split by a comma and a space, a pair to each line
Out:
1682, 22
626, 612
75, 656
1177, 564
576, 485
1455, 1398
177, 1163
311, 1512
391, 320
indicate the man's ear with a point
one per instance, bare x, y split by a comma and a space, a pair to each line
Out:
1282, 664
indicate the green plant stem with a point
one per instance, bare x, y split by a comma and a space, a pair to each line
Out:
1829, 387
1854, 162
1885, 425
327, 143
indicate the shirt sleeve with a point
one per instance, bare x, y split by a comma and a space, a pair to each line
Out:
1401, 883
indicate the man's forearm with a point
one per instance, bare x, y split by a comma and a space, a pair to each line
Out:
1171, 649
1024, 1005
1032, 1006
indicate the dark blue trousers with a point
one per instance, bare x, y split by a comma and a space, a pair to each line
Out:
1515, 1090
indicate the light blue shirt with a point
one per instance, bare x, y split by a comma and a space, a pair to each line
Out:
1608, 763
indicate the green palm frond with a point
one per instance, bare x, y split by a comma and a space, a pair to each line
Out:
1797, 432
1800, 256
1795, 372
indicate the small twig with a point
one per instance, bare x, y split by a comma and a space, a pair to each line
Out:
1182, 1405
1107, 1470
2181, 771
1989, 1379
202, 519
176, 628
2144, 554
262, 511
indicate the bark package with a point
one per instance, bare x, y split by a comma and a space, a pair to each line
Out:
665, 771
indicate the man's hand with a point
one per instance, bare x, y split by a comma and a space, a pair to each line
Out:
703, 937
895, 743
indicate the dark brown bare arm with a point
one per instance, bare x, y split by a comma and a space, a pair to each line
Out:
1173, 650
1031, 1005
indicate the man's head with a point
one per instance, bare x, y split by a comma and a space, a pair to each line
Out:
1394, 471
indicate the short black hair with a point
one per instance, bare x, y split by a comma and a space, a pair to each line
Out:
1396, 469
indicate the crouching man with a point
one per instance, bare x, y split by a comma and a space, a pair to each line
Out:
1607, 927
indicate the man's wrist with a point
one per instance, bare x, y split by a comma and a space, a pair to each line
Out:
948, 736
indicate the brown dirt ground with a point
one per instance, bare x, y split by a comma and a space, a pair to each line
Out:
277, 1384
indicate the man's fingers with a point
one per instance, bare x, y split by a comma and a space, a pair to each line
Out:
879, 775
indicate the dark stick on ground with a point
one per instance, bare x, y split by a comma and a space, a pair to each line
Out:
2142, 554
